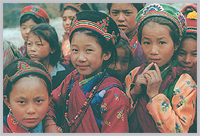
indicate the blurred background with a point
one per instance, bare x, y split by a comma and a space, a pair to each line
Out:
11, 16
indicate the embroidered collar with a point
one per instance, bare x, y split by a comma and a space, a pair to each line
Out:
17, 127
89, 83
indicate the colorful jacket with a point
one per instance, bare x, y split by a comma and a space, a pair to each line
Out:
173, 114
107, 112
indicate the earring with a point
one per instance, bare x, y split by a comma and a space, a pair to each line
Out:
10, 109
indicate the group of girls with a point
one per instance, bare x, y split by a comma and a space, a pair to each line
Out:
100, 89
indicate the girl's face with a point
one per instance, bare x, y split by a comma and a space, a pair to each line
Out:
124, 15
121, 66
86, 54
26, 27
157, 44
187, 54
38, 50
28, 101
67, 19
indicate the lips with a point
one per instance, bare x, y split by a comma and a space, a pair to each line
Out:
154, 60
32, 55
30, 120
122, 27
82, 67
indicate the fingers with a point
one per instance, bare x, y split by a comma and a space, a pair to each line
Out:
148, 67
157, 69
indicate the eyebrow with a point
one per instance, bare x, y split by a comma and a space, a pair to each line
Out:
121, 10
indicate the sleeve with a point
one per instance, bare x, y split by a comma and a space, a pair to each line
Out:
177, 116
115, 111
128, 81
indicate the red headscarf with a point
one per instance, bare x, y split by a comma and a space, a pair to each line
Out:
37, 11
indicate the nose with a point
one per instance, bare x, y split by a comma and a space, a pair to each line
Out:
81, 57
28, 30
121, 17
68, 22
33, 47
118, 66
188, 59
154, 50
30, 109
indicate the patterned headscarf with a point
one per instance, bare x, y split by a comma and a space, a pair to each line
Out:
37, 11
21, 68
189, 8
97, 22
165, 11
191, 22
76, 6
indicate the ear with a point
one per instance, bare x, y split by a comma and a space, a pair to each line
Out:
106, 55
6, 100
52, 51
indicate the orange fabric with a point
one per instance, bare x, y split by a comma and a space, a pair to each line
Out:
179, 114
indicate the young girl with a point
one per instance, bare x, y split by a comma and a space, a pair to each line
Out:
163, 97
68, 13
187, 52
31, 15
119, 67
124, 15
89, 100
26, 92
43, 46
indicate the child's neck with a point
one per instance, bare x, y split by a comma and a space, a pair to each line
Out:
92, 74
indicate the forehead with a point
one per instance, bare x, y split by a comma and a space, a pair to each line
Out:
122, 6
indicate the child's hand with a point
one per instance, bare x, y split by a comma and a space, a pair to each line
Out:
154, 81
141, 79
51, 127
65, 36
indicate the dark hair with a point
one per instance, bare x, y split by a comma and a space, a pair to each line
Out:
48, 33
138, 6
27, 17
123, 43
174, 31
66, 8
83, 6
187, 36
104, 45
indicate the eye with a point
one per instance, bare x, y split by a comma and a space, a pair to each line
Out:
39, 101
128, 13
28, 43
64, 19
21, 102
194, 54
40, 44
115, 13
88, 50
74, 50
162, 42
181, 53
146, 43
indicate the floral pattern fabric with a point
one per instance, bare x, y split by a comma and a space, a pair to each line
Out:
171, 117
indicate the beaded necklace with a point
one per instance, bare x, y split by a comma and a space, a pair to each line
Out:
84, 108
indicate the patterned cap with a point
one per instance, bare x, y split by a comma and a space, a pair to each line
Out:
22, 67
37, 11
191, 22
97, 22
189, 8
76, 6
165, 11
